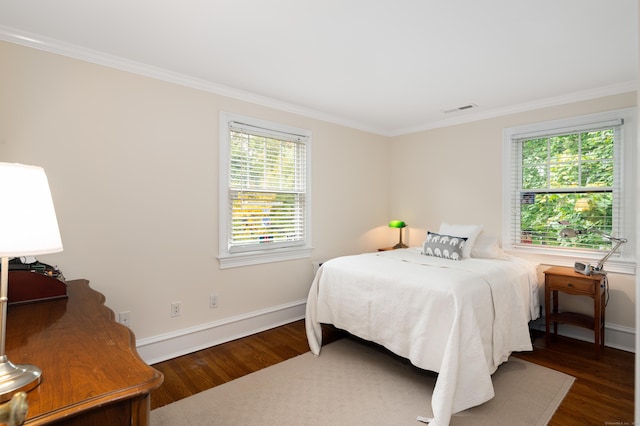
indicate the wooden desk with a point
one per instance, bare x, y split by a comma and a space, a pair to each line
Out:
91, 371
565, 280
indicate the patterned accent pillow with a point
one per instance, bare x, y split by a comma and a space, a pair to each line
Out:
444, 246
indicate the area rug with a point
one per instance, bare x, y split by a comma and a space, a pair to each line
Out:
352, 383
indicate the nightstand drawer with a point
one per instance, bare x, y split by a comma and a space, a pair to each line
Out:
571, 285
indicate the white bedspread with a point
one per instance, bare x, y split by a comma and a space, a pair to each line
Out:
461, 319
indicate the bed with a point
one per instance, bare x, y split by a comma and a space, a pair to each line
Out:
461, 319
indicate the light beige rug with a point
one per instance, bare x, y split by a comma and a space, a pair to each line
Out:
354, 384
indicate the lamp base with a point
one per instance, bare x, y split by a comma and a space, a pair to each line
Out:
16, 378
400, 245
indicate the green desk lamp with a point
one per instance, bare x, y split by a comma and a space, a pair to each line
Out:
398, 224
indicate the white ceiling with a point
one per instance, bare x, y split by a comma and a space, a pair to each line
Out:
386, 66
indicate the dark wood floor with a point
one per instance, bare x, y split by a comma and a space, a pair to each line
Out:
602, 394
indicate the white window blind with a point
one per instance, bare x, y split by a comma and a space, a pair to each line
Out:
267, 188
264, 197
573, 173
567, 178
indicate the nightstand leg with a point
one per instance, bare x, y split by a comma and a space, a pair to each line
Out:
600, 314
555, 311
598, 319
547, 313
602, 309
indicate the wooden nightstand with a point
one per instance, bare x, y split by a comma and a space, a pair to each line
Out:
566, 280
386, 249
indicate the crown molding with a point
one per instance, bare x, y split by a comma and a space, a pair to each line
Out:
58, 47
599, 92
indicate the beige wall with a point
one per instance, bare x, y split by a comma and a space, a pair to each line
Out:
133, 167
454, 174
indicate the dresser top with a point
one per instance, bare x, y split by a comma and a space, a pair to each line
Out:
87, 359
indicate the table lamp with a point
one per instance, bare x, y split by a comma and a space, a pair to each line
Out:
398, 224
28, 226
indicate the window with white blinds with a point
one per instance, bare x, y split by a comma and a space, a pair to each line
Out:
572, 173
266, 189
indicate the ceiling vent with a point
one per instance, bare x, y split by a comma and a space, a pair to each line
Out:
460, 108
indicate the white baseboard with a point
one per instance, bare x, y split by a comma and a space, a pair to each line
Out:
181, 342
615, 336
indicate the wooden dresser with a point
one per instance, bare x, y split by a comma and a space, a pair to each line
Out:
91, 371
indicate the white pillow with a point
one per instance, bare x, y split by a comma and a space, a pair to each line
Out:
471, 232
486, 247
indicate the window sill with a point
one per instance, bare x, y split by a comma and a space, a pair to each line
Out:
617, 265
259, 257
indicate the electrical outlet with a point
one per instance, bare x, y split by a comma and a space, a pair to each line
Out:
124, 318
213, 301
176, 309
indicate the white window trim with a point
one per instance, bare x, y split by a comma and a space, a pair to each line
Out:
624, 263
232, 260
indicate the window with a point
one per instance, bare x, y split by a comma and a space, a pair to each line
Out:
264, 191
575, 173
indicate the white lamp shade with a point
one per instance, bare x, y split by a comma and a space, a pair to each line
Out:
28, 223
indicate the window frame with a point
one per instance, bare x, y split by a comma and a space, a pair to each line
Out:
229, 258
624, 261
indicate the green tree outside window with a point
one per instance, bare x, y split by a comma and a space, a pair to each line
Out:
567, 180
